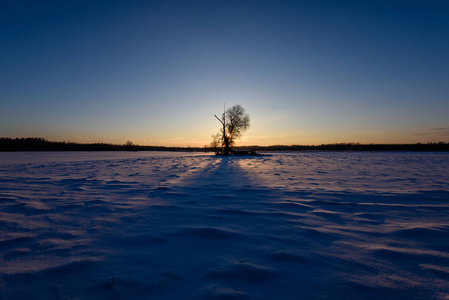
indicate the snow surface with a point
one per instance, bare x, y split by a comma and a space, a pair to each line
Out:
312, 225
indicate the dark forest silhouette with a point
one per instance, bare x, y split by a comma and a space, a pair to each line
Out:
41, 144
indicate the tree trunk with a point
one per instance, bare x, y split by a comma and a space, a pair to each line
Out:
225, 137
226, 150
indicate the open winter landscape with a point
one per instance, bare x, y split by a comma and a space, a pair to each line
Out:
224, 150
162, 225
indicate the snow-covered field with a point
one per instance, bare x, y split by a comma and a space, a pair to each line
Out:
311, 225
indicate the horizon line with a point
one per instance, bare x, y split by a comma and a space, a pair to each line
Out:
129, 143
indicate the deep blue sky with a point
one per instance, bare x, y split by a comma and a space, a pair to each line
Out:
155, 72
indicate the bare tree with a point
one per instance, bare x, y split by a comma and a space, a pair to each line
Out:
234, 122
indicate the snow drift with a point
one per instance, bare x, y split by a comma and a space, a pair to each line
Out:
179, 225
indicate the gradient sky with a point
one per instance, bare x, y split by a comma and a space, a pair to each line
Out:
156, 72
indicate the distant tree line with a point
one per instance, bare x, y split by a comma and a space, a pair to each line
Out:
440, 146
41, 144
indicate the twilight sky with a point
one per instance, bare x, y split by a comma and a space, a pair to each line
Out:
156, 72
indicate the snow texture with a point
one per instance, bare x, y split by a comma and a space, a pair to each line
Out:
151, 225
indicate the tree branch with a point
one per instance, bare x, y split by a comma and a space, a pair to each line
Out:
219, 119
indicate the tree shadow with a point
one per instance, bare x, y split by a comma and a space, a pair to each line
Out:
223, 172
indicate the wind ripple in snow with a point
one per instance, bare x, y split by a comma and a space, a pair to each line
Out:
280, 226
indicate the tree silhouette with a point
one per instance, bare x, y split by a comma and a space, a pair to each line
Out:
234, 122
